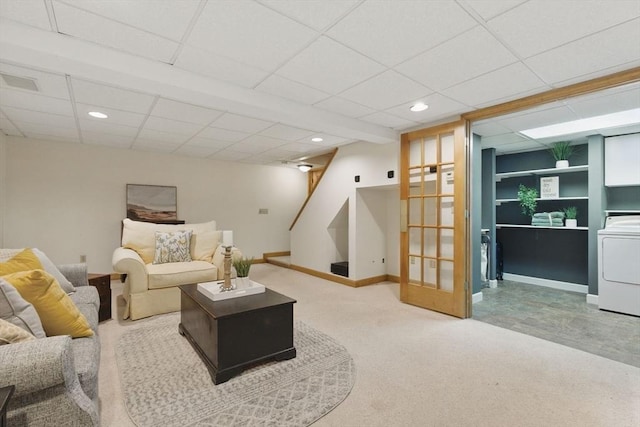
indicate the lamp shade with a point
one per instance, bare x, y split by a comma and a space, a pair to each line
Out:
227, 238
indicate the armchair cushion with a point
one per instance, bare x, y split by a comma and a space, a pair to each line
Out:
14, 309
173, 246
179, 273
58, 313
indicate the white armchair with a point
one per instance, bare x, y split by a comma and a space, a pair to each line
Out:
152, 288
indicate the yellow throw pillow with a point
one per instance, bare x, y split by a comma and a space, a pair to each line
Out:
22, 261
58, 314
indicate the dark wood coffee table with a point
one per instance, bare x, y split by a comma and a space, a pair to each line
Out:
230, 335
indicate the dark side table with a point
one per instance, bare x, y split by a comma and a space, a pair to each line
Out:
5, 395
102, 282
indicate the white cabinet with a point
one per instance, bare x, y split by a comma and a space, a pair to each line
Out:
622, 160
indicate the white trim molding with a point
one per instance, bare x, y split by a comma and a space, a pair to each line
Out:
592, 299
477, 297
555, 284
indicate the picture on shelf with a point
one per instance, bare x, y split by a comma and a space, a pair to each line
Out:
549, 187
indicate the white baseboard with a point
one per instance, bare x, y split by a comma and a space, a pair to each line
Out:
477, 297
592, 299
493, 283
555, 284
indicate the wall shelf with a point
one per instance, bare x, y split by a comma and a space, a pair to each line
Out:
548, 171
537, 226
499, 201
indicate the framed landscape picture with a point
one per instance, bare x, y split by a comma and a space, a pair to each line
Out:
152, 203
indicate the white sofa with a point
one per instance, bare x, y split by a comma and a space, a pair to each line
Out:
150, 288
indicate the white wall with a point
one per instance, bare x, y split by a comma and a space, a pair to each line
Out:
3, 171
69, 199
311, 243
371, 232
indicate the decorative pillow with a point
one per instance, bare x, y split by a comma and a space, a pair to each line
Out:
58, 314
10, 333
51, 268
23, 261
172, 247
14, 309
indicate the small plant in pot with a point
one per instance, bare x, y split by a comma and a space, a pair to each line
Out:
570, 214
527, 197
561, 151
242, 266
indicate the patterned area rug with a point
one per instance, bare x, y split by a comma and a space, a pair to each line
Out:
165, 383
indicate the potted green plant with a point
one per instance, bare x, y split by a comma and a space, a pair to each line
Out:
561, 151
570, 214
242, 266
527, 197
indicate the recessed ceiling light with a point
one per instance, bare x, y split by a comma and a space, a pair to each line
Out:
420, 106
317, 139
621, 118
98, 114
304, 167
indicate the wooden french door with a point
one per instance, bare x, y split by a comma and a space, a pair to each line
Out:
433, 235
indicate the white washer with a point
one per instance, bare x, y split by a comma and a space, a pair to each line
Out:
619, 264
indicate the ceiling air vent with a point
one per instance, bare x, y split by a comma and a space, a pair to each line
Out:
20, 82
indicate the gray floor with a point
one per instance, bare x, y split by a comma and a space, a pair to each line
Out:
562, 317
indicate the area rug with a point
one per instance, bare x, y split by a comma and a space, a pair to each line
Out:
164, 382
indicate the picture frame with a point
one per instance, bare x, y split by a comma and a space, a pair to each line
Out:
152, 203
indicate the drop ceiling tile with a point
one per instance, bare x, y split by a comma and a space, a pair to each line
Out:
32, 13
223, 134
615, 46
466, 56
596, 106
509, 82
100, 126
257, 144
394, 34
488, 9
219, 67
327, 140
172, 126
299, 147
175, 110
93, 28
29, 116
318, 14
213, 144
339, 105
288, 133
99, 138
108, 96
240, 123
7, 127
195, 151
388, 120
289, 89
53, 131
249, 32
386, 90
34, 101
329, 66
162, 137
49, 84
118, 117
487, 129
439, 106
47, 137
539, 25
516, 147
167, 18
155, 145
229, 155
538, 118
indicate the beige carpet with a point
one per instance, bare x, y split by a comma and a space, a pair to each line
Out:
420, 368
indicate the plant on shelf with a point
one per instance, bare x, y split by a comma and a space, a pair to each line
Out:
527, 197
561, 151
571, 213
242, 266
